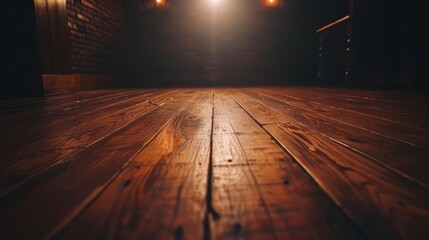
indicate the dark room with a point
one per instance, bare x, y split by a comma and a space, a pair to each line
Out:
214, 119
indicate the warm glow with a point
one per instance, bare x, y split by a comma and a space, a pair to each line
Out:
271, 3
160, 3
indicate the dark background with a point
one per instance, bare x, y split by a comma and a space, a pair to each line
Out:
190, 44
237, 43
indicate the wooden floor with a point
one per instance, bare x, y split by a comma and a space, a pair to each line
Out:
254, 163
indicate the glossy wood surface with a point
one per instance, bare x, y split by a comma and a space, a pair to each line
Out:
216, 163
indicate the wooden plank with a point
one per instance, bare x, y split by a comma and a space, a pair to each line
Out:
259, 191
51, 103
397, 131
406, 160
382, 203
391, 111
385, 205
16, 136
16, 105
399, 101
44, 112
162, 193
50, 107
57, 196
406, 114
47, 152
389, 95
145, 179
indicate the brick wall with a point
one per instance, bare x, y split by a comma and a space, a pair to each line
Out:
96, 35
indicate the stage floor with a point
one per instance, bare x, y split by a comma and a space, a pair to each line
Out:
216, 163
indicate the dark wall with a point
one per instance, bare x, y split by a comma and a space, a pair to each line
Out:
302, 18
130, 64
96, 35
327, 11
240, 42
387, 45
19, 69
420, 42
381, 46
193, 42
60, 39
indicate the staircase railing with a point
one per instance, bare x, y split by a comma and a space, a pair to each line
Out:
334, 54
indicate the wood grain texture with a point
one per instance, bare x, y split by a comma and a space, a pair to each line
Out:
253, 163
259, 191
47, 152
20, 108
47, 112
352, 181
385, 205
392, 129
61, 192
410, 161
396, 112
162, 192
399, 100
29, 129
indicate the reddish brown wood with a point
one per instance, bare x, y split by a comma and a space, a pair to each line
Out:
47, 152
17, 135
395, 112
61, 192
381, 202
258, 190
163, 190
410, 161
263, 163
366, 122
352, 181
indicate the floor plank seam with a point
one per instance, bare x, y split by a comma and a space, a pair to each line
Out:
366, 156
211, 213
380, 163
343, 109
335, 203
62, 226
61, 162
64, 161
344, 122
214, 163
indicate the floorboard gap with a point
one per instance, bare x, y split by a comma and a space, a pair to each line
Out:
56, 232
211, 213
349, 218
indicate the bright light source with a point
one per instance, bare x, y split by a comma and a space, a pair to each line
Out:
271, 3
214, 1
160, 3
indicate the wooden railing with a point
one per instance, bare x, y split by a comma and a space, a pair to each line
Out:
335, 53
334, 24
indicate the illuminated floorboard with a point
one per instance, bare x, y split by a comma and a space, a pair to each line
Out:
243, 163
